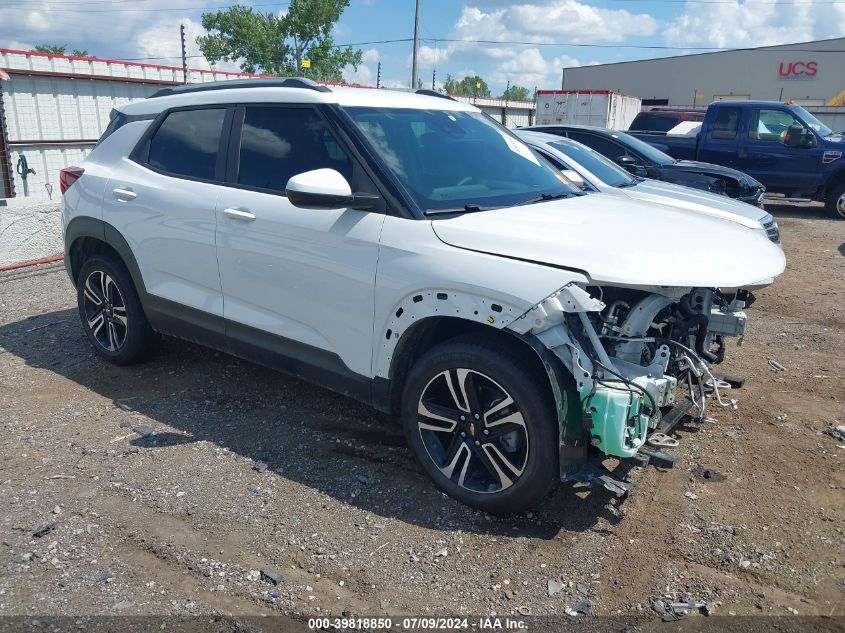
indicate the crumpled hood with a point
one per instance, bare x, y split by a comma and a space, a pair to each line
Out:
719, 171
622, 241
658, 192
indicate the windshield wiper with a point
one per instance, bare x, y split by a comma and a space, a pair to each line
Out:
468, 208
543, 197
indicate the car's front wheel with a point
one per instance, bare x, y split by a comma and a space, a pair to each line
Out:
836, 202
479, 419
111, 313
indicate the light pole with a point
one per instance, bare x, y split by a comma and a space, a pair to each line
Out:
416, 46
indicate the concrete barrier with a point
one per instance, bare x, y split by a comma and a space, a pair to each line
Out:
29, 229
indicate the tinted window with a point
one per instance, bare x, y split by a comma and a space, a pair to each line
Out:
654, 123
277, 143
604, 169
602, 145
724, 127
186, 144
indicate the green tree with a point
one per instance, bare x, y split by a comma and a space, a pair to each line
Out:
274, 44
80, 52
468, 86
54, 49
515, 93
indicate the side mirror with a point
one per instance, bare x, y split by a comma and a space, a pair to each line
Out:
799, 136
575, 178
628, 162
325, 189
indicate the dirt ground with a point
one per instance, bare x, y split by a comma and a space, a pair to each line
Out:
181, 522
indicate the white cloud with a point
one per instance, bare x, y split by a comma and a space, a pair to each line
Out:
542, 21
740, 24
554, 21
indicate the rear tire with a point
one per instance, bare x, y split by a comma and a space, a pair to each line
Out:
835, 204
111, 312
482, 424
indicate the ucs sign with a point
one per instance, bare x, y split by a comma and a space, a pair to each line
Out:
797, 70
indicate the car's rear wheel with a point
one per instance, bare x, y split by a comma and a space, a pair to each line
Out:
836, 201
481, 422
111, 312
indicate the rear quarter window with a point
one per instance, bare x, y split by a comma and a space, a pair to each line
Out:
187, 143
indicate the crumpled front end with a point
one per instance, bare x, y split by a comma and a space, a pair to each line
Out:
640, 359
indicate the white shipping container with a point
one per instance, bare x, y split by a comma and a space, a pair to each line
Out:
600, 108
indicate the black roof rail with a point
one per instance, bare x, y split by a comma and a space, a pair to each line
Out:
269, 82
433, 93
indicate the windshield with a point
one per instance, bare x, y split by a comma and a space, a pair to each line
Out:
604, 169
820, 128
641, 147
453, 159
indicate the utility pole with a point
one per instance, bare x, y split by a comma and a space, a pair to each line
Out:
184, 55
416, 47
378, 76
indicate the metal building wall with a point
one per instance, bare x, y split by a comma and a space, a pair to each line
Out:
751, 73
57, 106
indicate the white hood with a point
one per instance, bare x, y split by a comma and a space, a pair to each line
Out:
622, 241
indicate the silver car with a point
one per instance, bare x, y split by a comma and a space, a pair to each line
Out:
590, 171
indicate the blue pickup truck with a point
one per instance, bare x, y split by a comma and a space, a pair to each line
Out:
780, 144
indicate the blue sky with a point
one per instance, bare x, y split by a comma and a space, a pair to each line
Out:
603, 30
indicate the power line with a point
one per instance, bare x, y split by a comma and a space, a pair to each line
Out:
634, 46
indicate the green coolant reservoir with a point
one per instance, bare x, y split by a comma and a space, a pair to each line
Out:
619, 426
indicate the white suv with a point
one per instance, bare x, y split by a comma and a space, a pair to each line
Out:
407, 250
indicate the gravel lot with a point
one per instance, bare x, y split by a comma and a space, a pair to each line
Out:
146, 483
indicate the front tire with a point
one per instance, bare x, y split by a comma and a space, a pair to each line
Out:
481, 422
111, 312
835, 204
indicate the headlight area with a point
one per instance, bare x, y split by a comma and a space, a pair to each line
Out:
641, 360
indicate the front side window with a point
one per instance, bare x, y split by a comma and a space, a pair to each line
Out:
280, 142
604, 169
603, 146
451, 159
771, 125
187, 142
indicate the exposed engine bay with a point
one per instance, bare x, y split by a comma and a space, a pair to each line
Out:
641, 360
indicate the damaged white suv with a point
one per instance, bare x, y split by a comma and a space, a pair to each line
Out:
406, 250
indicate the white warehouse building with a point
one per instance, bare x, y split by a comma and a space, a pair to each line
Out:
810, 73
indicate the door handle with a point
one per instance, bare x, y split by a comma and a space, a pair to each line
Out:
124, 194
240, 214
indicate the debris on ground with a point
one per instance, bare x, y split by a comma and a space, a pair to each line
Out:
144, 430
45, 528
708, 474
259, 465
837, 432
271, 574
555, 586
776, 366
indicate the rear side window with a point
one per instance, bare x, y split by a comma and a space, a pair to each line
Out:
280, 142
187, 142
654, 123
725, 124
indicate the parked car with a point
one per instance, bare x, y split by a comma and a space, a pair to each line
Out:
780, 144
660, 121
408, 251
593, 172
643, 159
